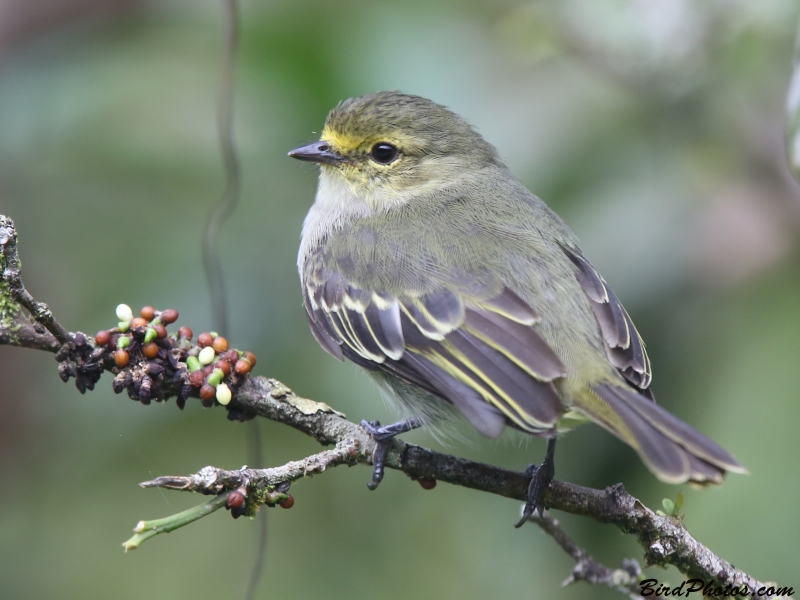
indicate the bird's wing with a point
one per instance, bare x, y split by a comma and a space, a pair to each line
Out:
482, 355
623, 343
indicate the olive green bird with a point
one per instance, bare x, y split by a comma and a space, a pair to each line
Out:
425, 261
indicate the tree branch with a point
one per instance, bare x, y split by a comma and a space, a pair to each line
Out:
624, 580
664, 539
15, 291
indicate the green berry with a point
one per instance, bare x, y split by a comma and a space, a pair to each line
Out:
123, 341
150, 335
193, 364
216, 377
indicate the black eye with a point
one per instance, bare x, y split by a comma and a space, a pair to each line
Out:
383, 153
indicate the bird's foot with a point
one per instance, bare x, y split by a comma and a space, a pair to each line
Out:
541, 476
383, 434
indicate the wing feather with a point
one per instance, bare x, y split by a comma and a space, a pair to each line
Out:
483, 355
535, 400
624, 345
520, 343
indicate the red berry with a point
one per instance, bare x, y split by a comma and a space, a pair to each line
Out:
427, 483
139, 322
288, 502
121, 357
235, 499
102, 337
204, 339
150, 350
224, 365
251, 357
208, 369
231, 356
208, 392
161, 331
220, 344
243, 367
196, 378
148, 313
185, 332
169, 316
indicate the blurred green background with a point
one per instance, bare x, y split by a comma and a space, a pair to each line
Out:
655, 128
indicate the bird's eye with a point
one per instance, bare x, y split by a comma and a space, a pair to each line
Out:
383, 153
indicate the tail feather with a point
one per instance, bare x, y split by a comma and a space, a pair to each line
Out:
670, 448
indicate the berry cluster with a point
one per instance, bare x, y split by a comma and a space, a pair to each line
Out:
278, 496
153, 364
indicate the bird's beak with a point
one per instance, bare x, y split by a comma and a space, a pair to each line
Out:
318, 152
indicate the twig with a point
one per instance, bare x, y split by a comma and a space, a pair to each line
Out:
25, 335
12, 281
212, 480
144, 530
624, 580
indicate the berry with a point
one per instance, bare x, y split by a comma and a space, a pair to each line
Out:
121, 357
148, 313
223, 394
224, 366
150, 350
124, 312
169, 316
208, 392
205, 339
251, 357
196, 378
216, 377
185, 332
102, 338
193, 364
206, 356
427, 483
220, 344
288, 502
160, 330
243, 367
139, 322
231, 356
235, 499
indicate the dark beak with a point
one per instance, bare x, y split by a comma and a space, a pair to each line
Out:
318, 152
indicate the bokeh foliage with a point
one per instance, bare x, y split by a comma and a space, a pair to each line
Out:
655, 128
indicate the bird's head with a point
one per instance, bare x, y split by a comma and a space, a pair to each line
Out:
386, 147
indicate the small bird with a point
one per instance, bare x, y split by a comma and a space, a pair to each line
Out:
425, 261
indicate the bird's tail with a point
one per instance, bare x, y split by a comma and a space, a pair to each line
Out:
671, 449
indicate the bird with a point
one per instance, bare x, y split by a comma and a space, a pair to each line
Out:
425, 261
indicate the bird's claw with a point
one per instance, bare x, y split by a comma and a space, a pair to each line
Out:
541, 476
383, 434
